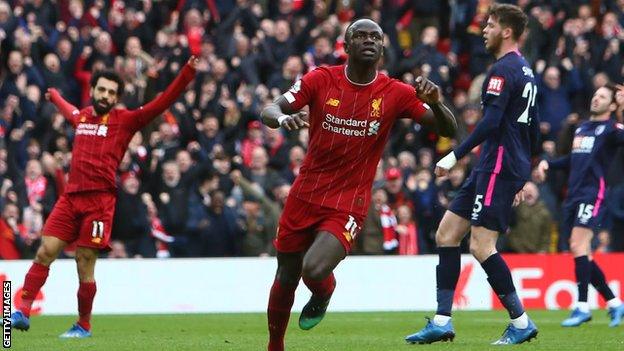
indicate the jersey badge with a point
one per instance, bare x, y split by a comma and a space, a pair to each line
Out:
376, 107
495, 85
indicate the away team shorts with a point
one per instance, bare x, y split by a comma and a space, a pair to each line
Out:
587, 212
301, 220
85, 218
486, 200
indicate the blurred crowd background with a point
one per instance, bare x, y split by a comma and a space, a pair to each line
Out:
208, 179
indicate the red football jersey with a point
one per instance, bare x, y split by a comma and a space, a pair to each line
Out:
101, 141
349, 127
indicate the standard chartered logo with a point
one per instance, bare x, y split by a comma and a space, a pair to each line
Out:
350, 126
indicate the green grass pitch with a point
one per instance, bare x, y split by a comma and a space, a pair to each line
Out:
339, 332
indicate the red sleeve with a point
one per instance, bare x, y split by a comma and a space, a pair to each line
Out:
138, 118
303, 91
413, 107
69, 111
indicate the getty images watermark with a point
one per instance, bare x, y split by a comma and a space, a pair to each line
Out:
6, 314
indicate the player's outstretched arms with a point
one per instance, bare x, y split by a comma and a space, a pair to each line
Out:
280, 114
429, 93
540, 172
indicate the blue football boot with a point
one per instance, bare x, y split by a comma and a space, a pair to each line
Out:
616, 314
76, 331
513, 335
19, 321
576, 318
432, 333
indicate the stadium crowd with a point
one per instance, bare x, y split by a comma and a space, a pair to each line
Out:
208, 179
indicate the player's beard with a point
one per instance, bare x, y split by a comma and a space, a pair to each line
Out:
494, 44
99, 109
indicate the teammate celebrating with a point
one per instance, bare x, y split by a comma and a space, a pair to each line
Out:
508, 132
594, 145
352, 110
84, 213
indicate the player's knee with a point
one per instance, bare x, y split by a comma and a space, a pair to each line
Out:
315, 270
481, 250
45, 255
578, 247
288, 276
446, 238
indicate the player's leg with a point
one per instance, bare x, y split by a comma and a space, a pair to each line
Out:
451, 231
449, 235
580, 247
85, 263
318, 265
282, 297
614, 304
294, 236
483, 248
36, 277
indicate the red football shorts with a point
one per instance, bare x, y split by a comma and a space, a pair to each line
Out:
84, 218
301, 220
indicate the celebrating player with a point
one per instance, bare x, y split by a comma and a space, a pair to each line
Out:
508, 132
352, 110
84, 213
594, 145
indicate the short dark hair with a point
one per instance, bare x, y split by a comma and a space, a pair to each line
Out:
510, 16
614, 90
110, 75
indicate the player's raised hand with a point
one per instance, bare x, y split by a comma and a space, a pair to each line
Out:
193, 62
295, 121
540, 172
427, 91
47, 94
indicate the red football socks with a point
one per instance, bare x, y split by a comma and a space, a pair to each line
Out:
280, 302
35, 278
86, 293
322, 288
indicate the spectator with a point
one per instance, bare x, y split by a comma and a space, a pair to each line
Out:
531, 231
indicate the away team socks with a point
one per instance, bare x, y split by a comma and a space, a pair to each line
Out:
599, 282
35, 278
582, 270
321, 288
447, 274
499, 278
280, 302
86, 293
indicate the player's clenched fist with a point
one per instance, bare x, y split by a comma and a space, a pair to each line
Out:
193, 61
295, 121
427, 91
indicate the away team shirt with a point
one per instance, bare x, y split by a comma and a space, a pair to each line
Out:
510, 86
593, 147
349, 126
101, 141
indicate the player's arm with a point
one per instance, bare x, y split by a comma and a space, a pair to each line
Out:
280, 113
69, 111
149, 111
544, 166
488, 125
284, 111
438, 114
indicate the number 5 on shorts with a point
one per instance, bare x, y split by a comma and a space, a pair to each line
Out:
478, 206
